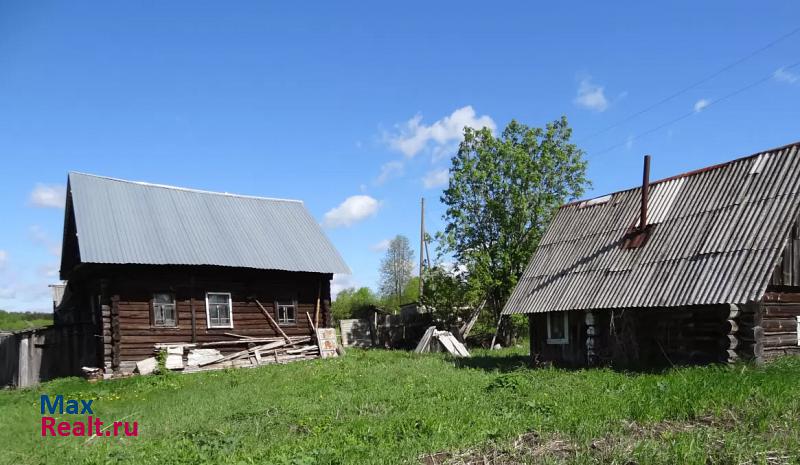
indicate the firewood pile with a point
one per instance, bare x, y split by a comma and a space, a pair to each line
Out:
254, 351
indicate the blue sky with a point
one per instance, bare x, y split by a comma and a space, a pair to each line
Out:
332, 101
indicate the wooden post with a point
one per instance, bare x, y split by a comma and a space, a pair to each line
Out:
104, 300
327, 321
319, 291
497, 330
532, 340
467, 326
272, 322
421, 244
115, 333
591, 333
311, 323
191, 308
316, 336
645, 192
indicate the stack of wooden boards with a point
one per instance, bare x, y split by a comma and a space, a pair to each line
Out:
254, 351
438, 341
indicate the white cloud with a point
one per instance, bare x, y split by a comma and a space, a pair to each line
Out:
591, 96
413, 136
354, 209
48, 196
436, 178
700, 105
380, 246
341, 282
7, 293
629, 142
781, 75
39, 237
389, 170
49, 271
21, 290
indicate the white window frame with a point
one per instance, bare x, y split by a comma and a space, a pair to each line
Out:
564, 322
286, 303
230, 310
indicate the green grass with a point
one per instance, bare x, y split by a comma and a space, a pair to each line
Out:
395, 407
14, 321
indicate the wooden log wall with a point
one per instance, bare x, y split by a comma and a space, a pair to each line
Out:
646, 338
572, 354
777, 318
649, 338
138, 335
125, 293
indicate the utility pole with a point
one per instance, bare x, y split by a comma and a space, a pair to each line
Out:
421, 243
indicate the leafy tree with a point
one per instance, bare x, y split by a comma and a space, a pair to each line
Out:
411, 291
352, 303
502, 193
447, 292
410, 294
396, 268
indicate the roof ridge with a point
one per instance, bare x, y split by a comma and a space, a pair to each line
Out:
184, 189
691, 172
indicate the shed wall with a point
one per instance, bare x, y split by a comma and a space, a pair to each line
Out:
31, 356
641, 338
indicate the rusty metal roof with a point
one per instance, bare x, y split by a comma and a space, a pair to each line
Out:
718, 234
125, 222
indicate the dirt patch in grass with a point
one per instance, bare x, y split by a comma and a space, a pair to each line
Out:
527, 448
533, 448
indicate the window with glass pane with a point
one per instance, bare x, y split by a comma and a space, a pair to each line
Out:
286, 312
557, 328
218, 306
164, 309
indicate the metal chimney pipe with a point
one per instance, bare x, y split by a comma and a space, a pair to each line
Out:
645, 189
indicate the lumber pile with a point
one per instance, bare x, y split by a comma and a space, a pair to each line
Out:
256, 350
190, 357
441, 341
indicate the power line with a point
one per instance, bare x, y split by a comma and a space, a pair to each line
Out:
686, 115
691, 86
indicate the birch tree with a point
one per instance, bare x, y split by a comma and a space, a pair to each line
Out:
396, 270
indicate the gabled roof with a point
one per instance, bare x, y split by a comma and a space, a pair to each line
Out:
717, 236
125, 222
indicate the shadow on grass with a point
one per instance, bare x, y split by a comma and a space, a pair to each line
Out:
505, 363
502, 363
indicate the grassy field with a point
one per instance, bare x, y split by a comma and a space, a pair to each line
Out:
14, 321
397, 407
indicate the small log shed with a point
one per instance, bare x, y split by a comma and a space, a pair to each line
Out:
702, 267
149, 264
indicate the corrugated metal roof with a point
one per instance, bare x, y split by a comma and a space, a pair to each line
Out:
717, 237
131, 222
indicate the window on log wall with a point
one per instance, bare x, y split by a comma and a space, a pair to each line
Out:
164, 309
219, 309
286, 310
557, 329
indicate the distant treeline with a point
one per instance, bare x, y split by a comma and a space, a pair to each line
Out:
13, 321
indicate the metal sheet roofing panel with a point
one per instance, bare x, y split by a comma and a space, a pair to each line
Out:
130, 222
718, 233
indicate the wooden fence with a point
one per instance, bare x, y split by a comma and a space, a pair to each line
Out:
31, 356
